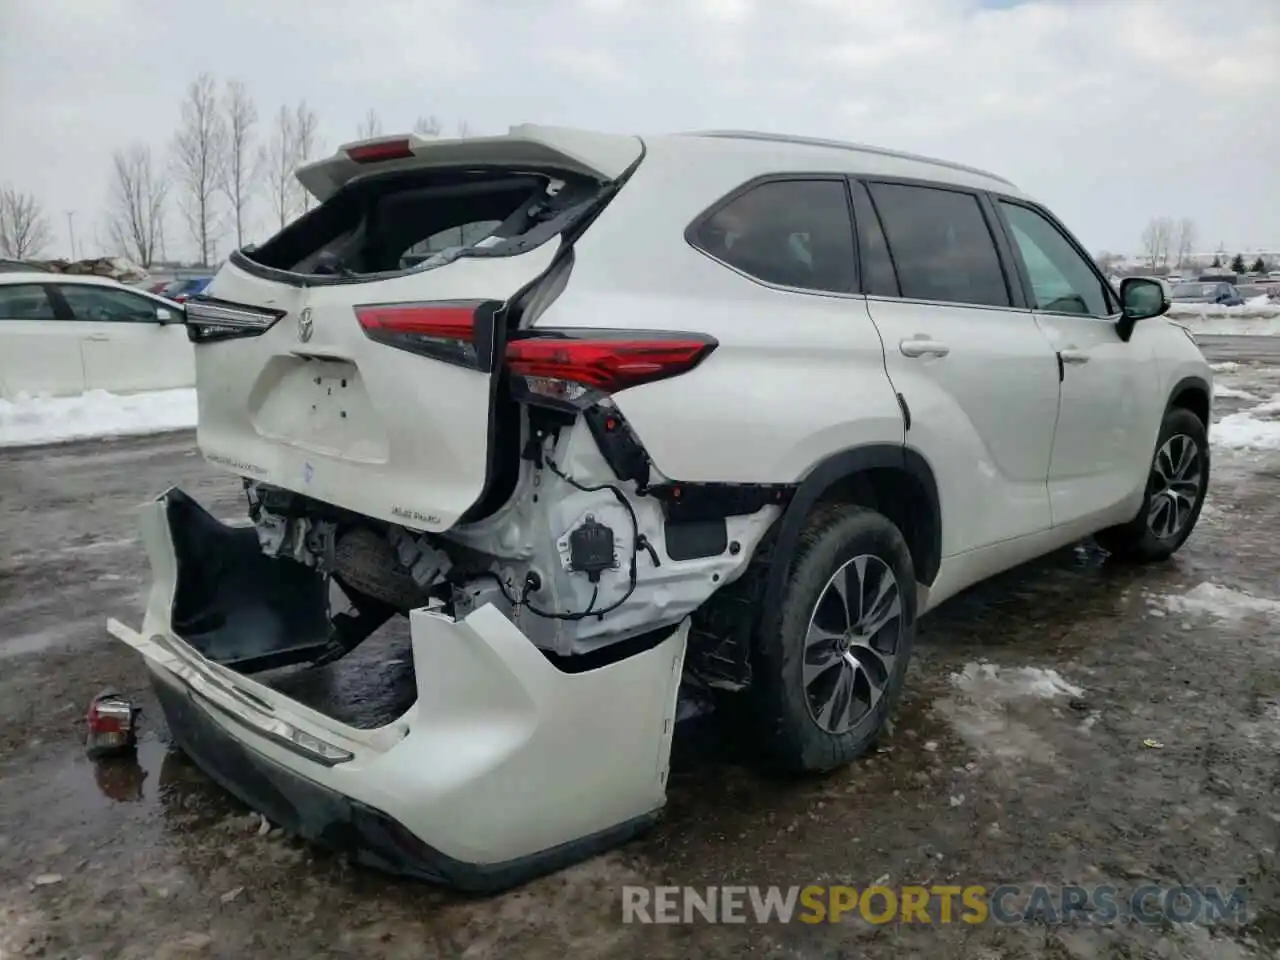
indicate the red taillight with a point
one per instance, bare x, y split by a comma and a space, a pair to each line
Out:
447, 331
377, 152
577, 370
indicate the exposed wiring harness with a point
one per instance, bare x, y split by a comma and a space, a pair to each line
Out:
532, 582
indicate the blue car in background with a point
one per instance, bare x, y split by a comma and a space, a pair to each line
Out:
179, 291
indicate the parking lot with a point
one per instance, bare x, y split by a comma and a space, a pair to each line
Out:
1072, 721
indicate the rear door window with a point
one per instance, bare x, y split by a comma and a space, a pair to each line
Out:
793, 233
941, 245
25, 301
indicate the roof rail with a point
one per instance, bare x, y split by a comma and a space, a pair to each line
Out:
840, 145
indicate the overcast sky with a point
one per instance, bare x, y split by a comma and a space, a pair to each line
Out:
1111, 111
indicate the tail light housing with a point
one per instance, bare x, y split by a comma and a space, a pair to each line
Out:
460, 332
208, 319
378, 151
575, 369
110, 723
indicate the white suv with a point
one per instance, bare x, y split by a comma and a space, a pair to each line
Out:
609, 418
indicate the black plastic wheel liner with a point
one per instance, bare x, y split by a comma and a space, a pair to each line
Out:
234, 604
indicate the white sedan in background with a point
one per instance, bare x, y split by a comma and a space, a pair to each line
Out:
61, 335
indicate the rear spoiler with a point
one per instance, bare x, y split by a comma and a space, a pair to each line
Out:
602, 156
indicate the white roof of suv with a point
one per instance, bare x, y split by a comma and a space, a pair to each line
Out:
911, 158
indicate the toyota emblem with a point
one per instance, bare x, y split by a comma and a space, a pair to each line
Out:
304, 325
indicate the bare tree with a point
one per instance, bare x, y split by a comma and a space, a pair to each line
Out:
370, 126
1156, 239
464, 129
199, 151
1106, 260
427, 126
241, 168
1186, 241
135, 206
24, 228
306, 143
277, 159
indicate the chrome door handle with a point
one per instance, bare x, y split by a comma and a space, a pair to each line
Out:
98, 337
923, 347
1071, 355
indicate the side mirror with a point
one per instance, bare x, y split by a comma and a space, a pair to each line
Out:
164, 315
1142, 297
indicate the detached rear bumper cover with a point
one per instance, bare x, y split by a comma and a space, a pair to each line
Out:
504, 768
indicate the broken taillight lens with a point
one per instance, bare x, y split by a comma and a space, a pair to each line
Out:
575, 369
458, 332
110, 722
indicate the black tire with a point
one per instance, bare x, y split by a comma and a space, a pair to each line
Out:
1138, 540
793, 739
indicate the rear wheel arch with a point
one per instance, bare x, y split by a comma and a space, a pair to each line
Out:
894, 480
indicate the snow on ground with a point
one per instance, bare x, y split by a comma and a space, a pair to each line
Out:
1216, 601
986, 681
1224, 392
1257, 428
1226, 366
992, 707
33, 420
1259, 316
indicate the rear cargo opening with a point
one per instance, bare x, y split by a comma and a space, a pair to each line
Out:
270, 617
422, 219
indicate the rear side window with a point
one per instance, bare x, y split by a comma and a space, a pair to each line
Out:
941, 245
25, 301
794, 233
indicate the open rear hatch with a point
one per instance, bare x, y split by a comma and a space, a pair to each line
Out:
354, 356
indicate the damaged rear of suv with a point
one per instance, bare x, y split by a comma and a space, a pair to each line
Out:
608, 422
418, 437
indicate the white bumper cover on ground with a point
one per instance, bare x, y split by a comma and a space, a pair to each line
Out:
504, 768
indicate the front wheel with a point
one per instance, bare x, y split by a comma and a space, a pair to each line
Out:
832, 661
1176, 488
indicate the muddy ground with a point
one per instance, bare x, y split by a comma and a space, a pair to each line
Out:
1070, 722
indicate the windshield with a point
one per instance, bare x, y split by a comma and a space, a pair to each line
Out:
1194, 290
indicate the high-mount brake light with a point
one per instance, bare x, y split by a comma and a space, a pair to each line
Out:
575, 369
447, 330
208, 319
380, 151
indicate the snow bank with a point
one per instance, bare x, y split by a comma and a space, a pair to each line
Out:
1257, 428
1258, 316
1223, 392
32, 420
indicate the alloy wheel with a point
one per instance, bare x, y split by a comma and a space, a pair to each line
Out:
1178, 473
852, 643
